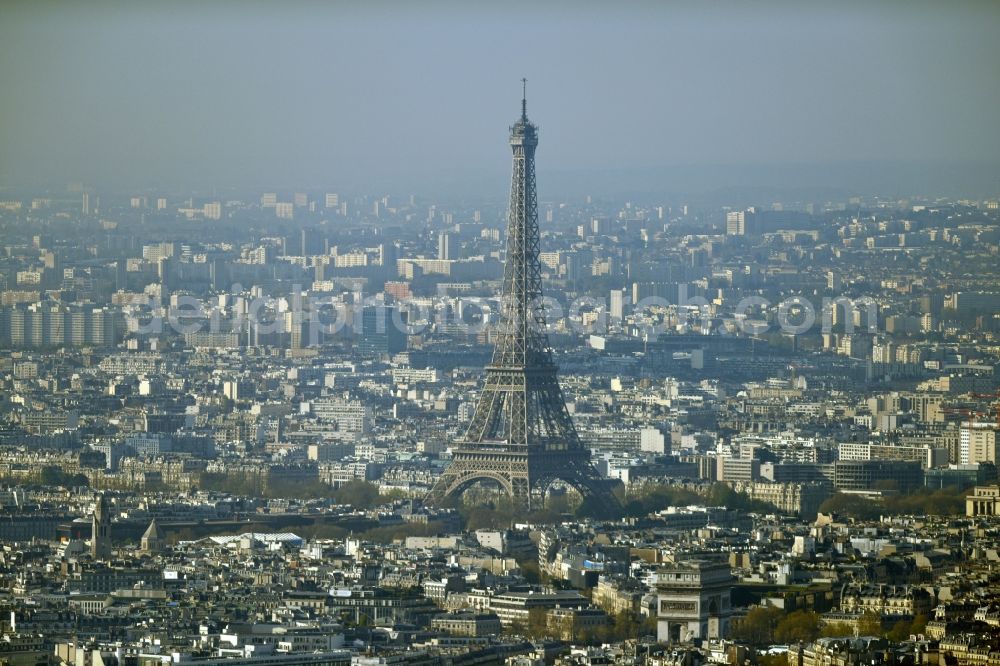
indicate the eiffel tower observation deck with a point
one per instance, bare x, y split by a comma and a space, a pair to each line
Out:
521, 436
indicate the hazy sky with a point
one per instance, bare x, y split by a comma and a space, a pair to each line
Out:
385, 95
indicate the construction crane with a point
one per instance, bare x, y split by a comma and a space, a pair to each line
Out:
969, 414
995, 405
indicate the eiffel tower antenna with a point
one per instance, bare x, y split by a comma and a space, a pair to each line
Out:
524, 100
521, 436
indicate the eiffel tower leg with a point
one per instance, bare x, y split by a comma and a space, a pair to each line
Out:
575, 470
521, 497
509, 471
598, 489
439, 492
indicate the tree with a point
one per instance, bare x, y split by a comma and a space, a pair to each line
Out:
852, 506
800, 625
944, 502
246, 486
517, 628
558, 503
498, 515
919, 624
360, 494
721, 494
56, 476
538, 626
656, 498
903, 629
870, 624
546, 516
566, 628
647, 626
625, 626
592, 635
298, 490
899, 632
51, 475
837, 630
530, 570
758, 625
772, 659
592, 507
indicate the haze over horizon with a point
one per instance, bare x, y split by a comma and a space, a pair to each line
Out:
393, 96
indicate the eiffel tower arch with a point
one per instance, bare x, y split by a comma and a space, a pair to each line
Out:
521, 436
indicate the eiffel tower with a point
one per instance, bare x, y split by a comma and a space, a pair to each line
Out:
521, 435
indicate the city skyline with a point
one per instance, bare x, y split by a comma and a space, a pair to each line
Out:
290, 377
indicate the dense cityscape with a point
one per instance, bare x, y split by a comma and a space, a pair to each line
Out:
343, 427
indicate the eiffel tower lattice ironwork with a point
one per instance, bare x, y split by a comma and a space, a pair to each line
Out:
521, 435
